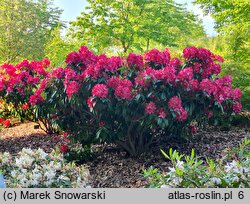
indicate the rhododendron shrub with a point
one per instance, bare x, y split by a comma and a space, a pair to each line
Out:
128, 100
22, 89
19, 83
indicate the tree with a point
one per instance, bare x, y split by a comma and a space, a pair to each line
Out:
232, 21
25, 28
58, 47
133, 24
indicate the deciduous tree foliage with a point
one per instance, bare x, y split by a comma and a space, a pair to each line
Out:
57, 47
232, 20
134, 24
25, 28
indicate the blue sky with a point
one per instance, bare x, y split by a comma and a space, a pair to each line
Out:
73, 8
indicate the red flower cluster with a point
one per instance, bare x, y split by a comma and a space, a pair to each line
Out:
6, 123
134, 60
162, 113
71, 88
237, 107
203, 61
150, 108
64, 148
155, 56
175, 105
25, 106
23, 80
100, 90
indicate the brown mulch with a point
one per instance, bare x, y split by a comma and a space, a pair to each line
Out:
112, 167
24, 135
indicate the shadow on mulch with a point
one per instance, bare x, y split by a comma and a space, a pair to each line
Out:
34, 141
112, 169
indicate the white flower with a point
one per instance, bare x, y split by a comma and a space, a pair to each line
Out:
216, 180
179, 165
50, 174
176, 181
41, 153
48, 183
230, 166
37, 176
13, 173
172, 170
235, 179
5, 157
24, 161
65, 178
246, 170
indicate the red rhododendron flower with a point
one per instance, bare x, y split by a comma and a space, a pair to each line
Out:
100, 90
158, 57
87, 57
227, 80
222, 94
6, 123
217, 58
1, 120
194, 85
58, 73
35, 99
208, 86
73, 57
64, 148
175, 63
2, 84
190, 52
134, 60
185, 74
25, 106
123, 92
46, 62
69, 74
181, 115
23, 64
72, 87
113, 82
114, 63
162, 113
174, 103
9, 69
203, 54
166, 74
150, 108
236, 94
197, 68
237, 107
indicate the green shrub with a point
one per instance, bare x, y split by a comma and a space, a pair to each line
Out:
37, 169
192, 172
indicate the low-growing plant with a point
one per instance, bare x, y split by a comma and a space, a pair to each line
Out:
192, 172
37, 169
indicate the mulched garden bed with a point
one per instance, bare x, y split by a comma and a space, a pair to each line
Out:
111, 166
